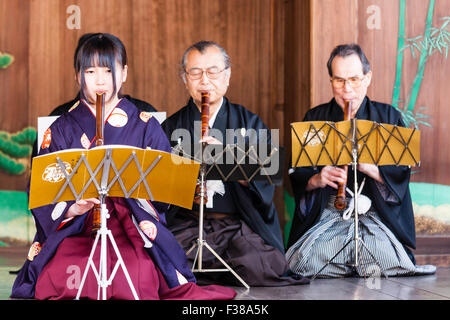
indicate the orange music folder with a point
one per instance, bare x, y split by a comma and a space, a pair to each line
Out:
319, 143
171, 180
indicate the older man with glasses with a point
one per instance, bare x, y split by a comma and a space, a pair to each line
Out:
240, 220
319, 230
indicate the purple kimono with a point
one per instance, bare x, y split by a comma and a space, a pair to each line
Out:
125, 125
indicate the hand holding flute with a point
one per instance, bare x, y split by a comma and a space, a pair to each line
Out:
335, 177
341, 202
99, 141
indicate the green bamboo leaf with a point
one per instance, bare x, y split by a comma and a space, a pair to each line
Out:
423, 44
445, 23
425, 123
405, 47
417, 46
438, 47
416, 38
445, 35
432, 43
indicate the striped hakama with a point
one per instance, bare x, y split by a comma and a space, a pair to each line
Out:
331, 233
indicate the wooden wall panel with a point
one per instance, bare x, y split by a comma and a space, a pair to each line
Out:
14, 98
435, 167
380, 45
278, 50
155, 33
348, 21
13, 80
332, 23
297, 71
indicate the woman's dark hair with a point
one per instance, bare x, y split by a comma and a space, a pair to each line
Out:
98, 49
345, 50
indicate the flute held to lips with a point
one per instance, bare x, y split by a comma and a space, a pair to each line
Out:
205, 132
99, 141
341, 202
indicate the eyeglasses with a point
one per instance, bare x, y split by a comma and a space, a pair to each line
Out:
211, 73
339, 83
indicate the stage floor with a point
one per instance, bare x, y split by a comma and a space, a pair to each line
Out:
435, 287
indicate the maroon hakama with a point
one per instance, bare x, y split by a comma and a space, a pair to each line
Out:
61, 277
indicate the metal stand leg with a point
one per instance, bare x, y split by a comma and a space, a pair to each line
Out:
356, 238
104, 235
330, 261
202, 243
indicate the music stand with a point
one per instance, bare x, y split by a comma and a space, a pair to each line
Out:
376, 147
110, 184
247, 165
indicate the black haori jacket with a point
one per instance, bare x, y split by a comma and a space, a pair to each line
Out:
254, 204
396, 212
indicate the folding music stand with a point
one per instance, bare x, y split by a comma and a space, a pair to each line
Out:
365, 142
110, 184
246, 165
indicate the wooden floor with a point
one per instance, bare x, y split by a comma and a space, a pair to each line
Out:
435, 287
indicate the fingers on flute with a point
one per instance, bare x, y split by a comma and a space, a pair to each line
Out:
83, 202
332, 184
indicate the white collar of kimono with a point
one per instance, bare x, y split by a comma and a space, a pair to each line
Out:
93, 109
213, 117
214, 186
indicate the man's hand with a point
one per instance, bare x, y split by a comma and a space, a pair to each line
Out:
81, 207
243, 182
328, 176
210, 140
371, 170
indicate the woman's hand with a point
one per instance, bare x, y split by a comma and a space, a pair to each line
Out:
210, 140
81, 207
328, 176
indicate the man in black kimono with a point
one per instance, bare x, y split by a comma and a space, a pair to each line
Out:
240, 220
390, 216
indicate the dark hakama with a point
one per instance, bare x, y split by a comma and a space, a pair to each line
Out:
248, 235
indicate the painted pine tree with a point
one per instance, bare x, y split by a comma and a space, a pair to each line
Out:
15, 150
6, 60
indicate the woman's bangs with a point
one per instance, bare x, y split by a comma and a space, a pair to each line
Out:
98, 57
